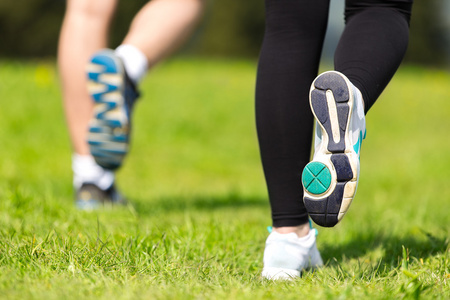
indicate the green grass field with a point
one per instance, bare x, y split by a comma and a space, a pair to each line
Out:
197, 223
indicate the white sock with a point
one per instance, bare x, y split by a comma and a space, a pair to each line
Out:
86, 170
134, 60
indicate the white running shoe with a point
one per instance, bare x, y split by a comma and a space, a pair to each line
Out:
331, 178
286, 255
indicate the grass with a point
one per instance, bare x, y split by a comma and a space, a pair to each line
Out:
196, 226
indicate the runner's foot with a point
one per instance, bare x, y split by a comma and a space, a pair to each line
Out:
331, 178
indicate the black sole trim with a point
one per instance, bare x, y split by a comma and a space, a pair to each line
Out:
324, 212
337, 85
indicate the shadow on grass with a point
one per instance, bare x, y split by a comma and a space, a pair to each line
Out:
206, 203
421, 245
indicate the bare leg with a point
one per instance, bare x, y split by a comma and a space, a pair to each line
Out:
84, 31
157, 30
161, 26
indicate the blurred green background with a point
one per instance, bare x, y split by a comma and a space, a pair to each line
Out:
30, 28
195, 228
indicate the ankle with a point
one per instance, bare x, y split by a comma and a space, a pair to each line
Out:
300, 230
86, 170
134, 60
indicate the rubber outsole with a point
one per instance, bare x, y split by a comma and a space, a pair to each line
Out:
88, 205
316, 178
331, 104
273, 273
108, 136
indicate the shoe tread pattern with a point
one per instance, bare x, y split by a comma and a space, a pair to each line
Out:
337, 85
91, 197
108, 135
325, 211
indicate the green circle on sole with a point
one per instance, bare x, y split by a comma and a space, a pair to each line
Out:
316, 178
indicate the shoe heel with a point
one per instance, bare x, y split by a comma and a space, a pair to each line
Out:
316, 178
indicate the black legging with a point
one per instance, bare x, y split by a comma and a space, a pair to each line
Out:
370, 50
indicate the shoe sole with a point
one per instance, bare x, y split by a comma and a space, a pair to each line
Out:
93, 204
108, 135
330, 180
273, 273
88, 205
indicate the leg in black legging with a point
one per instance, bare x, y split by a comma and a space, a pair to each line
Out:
373, 44
371, 48
289, 62
370, 51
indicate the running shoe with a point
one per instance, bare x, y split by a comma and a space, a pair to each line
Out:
331, 178
287, 255
114, 95
91, 197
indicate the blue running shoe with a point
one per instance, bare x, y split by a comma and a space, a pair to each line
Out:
114, 95
91, 197
331, 178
